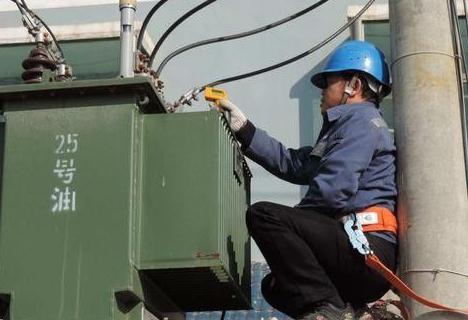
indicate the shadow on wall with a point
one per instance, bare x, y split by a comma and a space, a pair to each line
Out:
310, 118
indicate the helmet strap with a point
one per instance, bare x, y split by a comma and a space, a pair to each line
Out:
349, 88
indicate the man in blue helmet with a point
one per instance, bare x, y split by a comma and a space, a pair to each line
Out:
315, 272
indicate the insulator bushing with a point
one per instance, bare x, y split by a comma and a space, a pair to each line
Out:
37, 62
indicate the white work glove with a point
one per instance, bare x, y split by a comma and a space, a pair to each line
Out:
236, 118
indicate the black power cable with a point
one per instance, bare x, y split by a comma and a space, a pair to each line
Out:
294, 59
236, 36
23, 6
24, 11
175, 25
59, 48
21, 9
147, 21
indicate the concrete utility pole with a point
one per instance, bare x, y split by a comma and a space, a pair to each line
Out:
433, 201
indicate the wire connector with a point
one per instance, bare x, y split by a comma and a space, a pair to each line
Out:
188, 97
48, 55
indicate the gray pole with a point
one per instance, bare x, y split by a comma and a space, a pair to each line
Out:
357, 30
127, 37
433, 201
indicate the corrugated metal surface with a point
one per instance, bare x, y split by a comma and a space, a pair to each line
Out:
232, 186
199, 253
155, 193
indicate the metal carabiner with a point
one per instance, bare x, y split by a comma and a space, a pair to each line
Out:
356, 235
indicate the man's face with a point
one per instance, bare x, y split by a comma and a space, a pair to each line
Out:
333, 93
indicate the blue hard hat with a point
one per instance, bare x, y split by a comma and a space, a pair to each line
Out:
357, 56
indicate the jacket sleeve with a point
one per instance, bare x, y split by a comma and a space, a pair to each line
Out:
292, 165
346, 156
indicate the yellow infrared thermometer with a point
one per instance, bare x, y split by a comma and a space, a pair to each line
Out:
215, 95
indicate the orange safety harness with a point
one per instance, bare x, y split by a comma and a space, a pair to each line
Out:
375, 219
382, 219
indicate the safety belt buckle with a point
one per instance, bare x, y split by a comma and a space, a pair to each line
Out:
356, 235
375, 219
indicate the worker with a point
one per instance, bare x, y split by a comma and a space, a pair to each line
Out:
315, 272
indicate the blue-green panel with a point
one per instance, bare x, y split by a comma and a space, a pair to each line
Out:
90, 59
378, 32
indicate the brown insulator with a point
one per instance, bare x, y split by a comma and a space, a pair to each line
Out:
37, 62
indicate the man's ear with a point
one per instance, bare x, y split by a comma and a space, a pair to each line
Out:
357, 87
353, 86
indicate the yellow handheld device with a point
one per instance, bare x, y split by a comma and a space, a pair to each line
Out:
215, 94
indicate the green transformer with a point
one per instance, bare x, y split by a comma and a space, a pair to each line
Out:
112, 208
